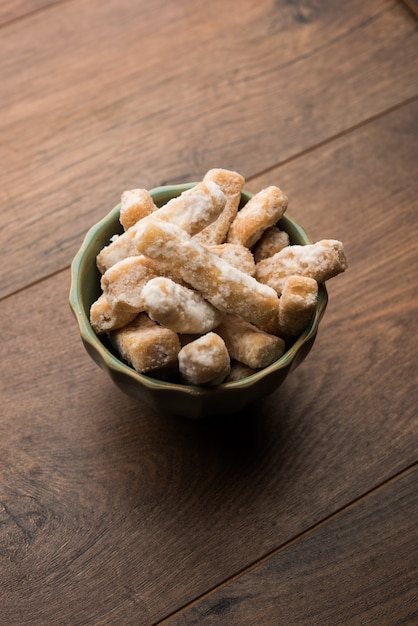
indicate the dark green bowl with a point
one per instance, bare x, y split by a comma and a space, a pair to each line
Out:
174, 398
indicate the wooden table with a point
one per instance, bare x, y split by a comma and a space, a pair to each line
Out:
304, 510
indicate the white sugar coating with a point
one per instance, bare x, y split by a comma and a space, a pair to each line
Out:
235, 254
104, 318
297, 304
192, 210
321, 261
123, 282
130, 197
135, 205
272, 241
179, 308
202, 353
157, 243
121, 247
304, 300
198, 207
226, 287
262, 211
204, 360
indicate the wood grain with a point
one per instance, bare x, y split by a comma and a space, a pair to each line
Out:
111, 513
14, 9
412, 5
107, 96
359, 568
362, 190
134, 514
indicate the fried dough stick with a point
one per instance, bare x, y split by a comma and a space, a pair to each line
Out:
263, 210
231, 184
135, 204
204, 361
192, 210
123, 283
271, 241
250, 345
226, 287
321, 261
103, 318
179, 308
146, 345
237, 255
297, 304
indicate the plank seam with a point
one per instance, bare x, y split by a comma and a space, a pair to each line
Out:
306, 533
412, 6
266, 170
328, 140
20, 18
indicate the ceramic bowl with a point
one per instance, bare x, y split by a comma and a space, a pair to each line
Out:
175, 398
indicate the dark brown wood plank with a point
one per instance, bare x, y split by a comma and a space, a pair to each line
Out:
134, 514
360, 568
412, 5
99, 97
14, 9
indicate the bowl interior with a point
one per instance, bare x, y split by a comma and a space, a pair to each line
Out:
85, 289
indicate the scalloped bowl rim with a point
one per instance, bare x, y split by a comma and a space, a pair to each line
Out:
87, 333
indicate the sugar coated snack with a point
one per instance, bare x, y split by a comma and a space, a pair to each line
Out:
322, 260
226, 287
191, 211
123, 282
231, 184
248, 344
134, 205
146, 345
297, 304
237, 255
204, 361
104, 318
263, 210
271, 241
179, 308
204, 292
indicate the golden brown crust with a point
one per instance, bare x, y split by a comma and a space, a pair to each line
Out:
297, 304
120, 247
103, 318
179, 308
226, 287
135, 204
321, 260
124, 281
231, 184
235, 254
146, 345
272, 241
248, 344
192, 210
263, 210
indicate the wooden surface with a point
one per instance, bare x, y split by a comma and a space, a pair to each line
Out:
303, 511
413, 5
